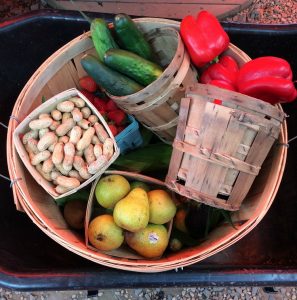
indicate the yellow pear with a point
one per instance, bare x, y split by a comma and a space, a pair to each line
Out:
132, 212
149, 242
110, 189
104, 234
162, 207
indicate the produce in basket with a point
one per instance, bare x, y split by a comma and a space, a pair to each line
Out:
143, 217
66, 146
121, 71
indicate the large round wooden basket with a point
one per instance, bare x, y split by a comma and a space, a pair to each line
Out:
60, 72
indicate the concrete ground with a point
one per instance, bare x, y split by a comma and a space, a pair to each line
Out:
190, 293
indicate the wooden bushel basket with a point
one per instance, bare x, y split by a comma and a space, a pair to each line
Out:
53, 77
222, 139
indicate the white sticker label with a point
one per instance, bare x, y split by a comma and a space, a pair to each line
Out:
153, 238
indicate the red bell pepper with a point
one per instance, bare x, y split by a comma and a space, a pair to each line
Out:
265, 66
204, 37
223, 73
267, 78
222, 84
270, 89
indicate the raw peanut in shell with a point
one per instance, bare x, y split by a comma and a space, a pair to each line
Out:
78, 163
68, 182
30, 153
65, 106
44, 115
55, 125
78, 102
40, 157
86, 112
98, 150
75, 135
101, 133
47, 166
95, 166
89, 154
62, 170
30, 134
48, 139
65, 127
84, 124
66, 116
69, 152
77, 115
46, 176
108, 148
64, 139
56, 115
95, 140
86, 139
83, 172
51, 147
40, 123
75, 174
58, 153
55, 175
62, 189
42, 132
32, 146
93, 119
79, 153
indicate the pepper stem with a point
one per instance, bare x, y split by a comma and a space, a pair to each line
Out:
215, 60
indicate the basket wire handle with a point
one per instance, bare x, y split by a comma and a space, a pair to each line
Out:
3, 125
12, 181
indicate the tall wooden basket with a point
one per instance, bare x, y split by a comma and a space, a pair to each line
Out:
53, 77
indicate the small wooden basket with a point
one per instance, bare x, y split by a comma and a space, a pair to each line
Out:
156, 106
124, 251
222, 139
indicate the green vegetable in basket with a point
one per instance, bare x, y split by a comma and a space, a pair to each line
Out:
153, 158
101, 36
131, 38
134, 66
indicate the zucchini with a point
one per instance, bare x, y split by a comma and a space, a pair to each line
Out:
101, 36
113, 82
131, 38
132, 65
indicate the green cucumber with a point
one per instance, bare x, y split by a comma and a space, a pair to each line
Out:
101, 37
131, 38
132, 65
113, 82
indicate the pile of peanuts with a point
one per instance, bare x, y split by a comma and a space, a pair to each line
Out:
68, 145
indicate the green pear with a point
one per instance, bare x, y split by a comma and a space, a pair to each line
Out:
104, 234
110, 189
149, 242
162, 207
139, 184
132, 212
